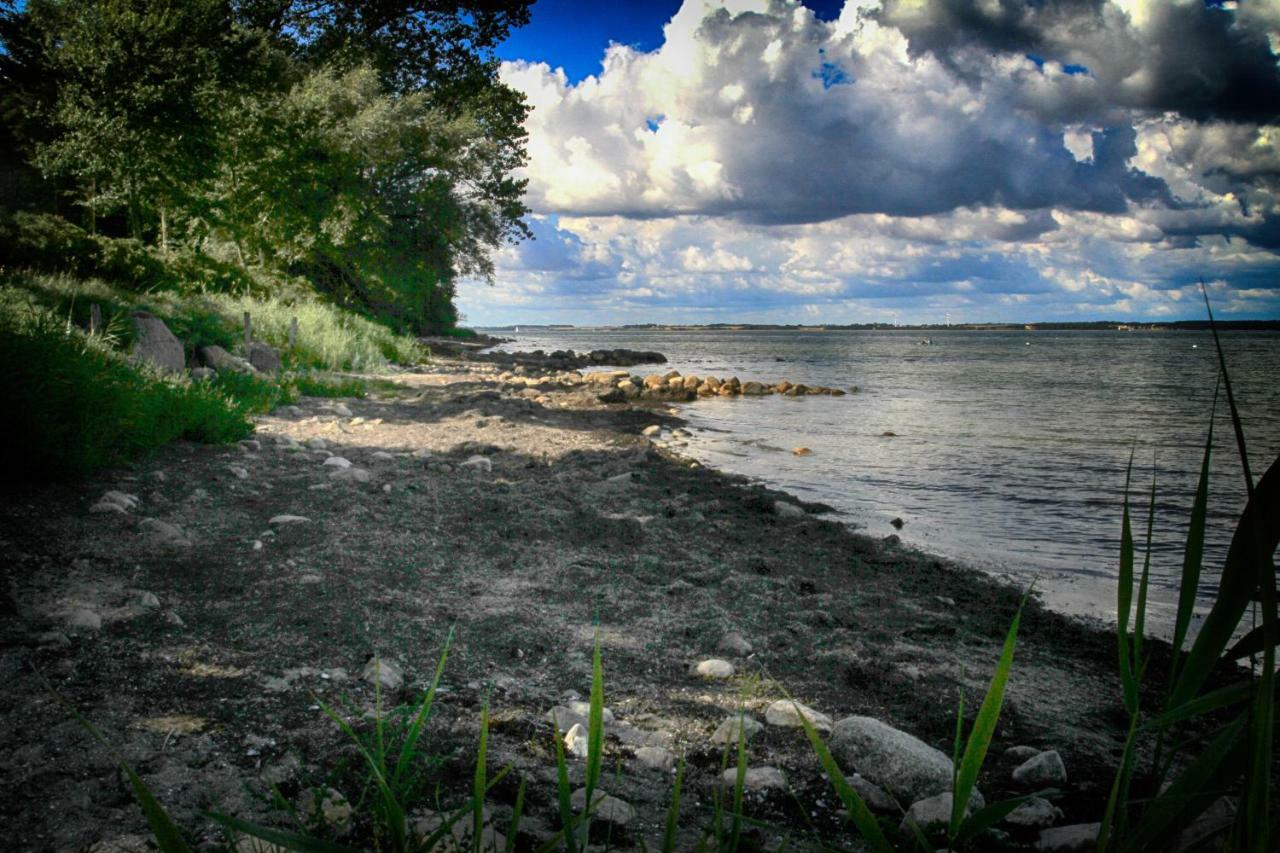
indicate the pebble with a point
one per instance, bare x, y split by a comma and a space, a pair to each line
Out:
248, 444
651, 431
340, 409
163, 532
605, 808
784, 509
714, 668
107, 506
146, 600
1035, 813
125, 500
288, 519
336, 462
1076, 838
727, 732
1021, 753
564, 718
735, 644
575, 741
583, 709
383, 671
756, 778
53, 638
935, 810
351, 475
784, 713
656, 758
1043, 769
382, 456
239, 472
903, 764
84, 619
478, 463
802, 451
317, 444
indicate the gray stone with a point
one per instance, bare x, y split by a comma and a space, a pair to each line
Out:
146, 600
584, 710
727, 732
340, 409
239, 472
1021, 753
714, 668
125, 501
604, 807
783, 509
651, 431
575, 741
1076, 838
876, 798
327, 807
351, 475
317, 443
381, 671
163, 532
107, 507
904, 765
656, 758
154, 344
735, 644
53, 638
220, 360
336, 462
478, 463
564, 718
1035, 813
382, 456
288, 519
201, 374
756, 778
934, 811
786, 712
263, 357
84, 619
1043, 769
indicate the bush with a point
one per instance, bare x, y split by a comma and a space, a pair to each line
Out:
74, 404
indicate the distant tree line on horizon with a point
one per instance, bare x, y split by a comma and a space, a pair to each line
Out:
366, 147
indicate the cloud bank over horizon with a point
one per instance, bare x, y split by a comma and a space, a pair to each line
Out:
990, 159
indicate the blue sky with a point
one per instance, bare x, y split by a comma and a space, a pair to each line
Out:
760, 160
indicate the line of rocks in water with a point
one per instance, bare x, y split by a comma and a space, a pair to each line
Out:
570, 360
621, 386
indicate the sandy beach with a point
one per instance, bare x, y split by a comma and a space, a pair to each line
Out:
198, 629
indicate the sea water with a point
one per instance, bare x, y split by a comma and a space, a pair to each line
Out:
1009, 448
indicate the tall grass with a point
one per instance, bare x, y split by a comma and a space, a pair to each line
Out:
74, 404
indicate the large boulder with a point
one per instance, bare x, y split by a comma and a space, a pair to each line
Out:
903, 764
154, 344
263, 357
219, 359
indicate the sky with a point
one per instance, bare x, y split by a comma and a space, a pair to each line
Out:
906, 161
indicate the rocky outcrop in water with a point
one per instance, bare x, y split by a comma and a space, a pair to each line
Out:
570, 360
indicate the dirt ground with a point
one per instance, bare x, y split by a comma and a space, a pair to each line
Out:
202, 652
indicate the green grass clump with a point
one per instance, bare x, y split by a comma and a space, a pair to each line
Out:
310, 385
253, 393
74, 404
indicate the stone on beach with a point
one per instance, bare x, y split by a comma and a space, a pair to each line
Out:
787, 712
384, 672
565, 718
575, 741
903, 764
478, 463
335, 461
802, 451
1075, 838
727, 732
603, 807
714, 668
735, 644
1040, 770
1016, 753
155, 345
84, 619
164, 533
936, 810
756, 778
651, 430
288, 519
785, 509
656, 758
351, 475
1035, 813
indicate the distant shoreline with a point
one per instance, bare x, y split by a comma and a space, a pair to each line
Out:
1100, 326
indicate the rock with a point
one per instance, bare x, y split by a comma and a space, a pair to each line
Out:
263, 357
478, 463
1017, 753
351, 475
146, 600
876, 798
85, 620
575, 741
801, 451
656, 758
613, 395
106, 506
1041, 770
327, 807
756, 778
154, 344
735, 644
786, 712
934, 811
583, 709
202, 374
897, 523
317, 443
1076, 838
754, 389
53, 638
340, 409
239, 472
565, 718
289, 519
220, 360
336, 462
782, 387
904, 765
384, 672
421, 453
727, 732
382, 456
651, 431
125, 500
1035, 813
714, 668
163, 532
784, 509
603, 807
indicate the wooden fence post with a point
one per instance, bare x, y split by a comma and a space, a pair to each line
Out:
248, 331
95, 319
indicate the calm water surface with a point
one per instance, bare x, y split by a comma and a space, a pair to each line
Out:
1010, 447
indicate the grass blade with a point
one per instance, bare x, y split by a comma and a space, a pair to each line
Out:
563, 793
1193, 552
739, 784
391, 808
673, 812
863, 820
410, 744
513, 828
1256, 536
595, 733
1114, 817
1140, 619
1262, 724
478, 784
1251, 643
987, 817
984, 726
1124, 600
289, 840
1221, 698
1231, 398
